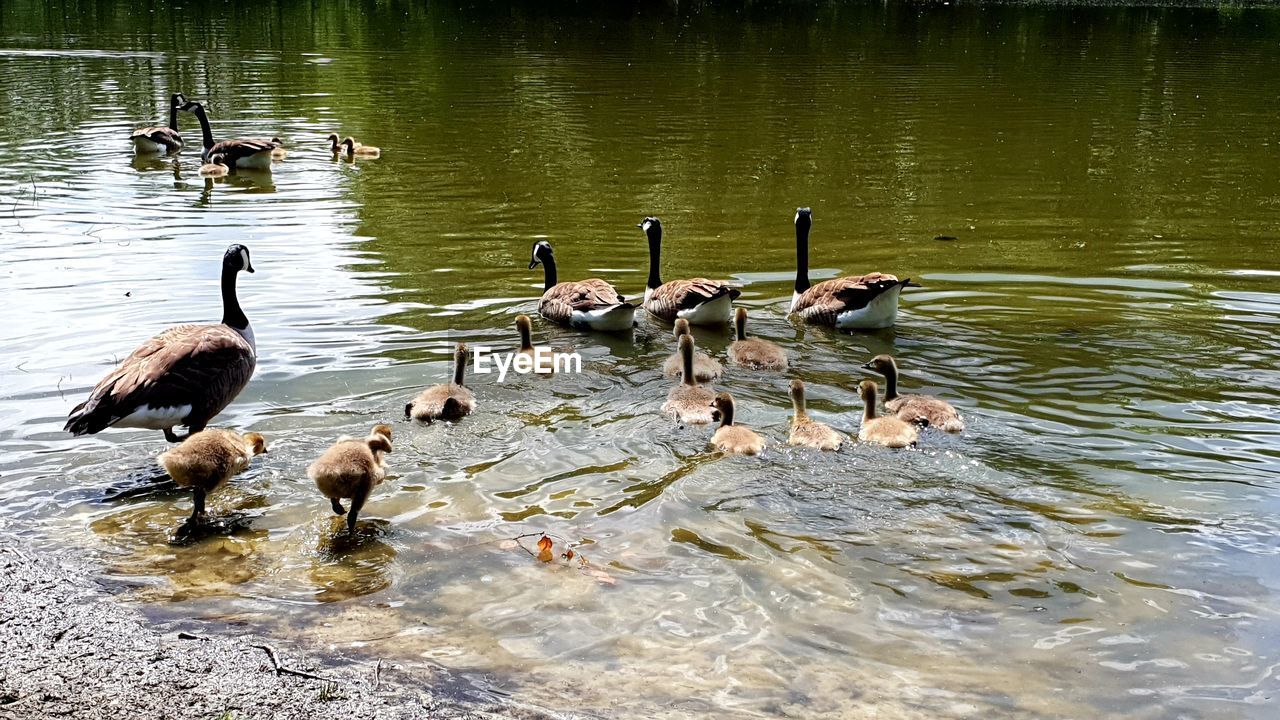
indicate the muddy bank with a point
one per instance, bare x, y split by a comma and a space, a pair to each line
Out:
68, 650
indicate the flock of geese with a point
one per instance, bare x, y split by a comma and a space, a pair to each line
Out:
188, 374
221, 157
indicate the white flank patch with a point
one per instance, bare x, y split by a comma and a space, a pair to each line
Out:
709, 313
155, 418
147, 146
256, 161
882, 312
611, 319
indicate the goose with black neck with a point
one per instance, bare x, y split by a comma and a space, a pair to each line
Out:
157, 139
590, 304
698, 300
252, 153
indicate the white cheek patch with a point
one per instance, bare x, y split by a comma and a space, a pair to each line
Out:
646, 225
796, 219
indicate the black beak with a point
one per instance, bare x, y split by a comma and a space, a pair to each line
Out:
866, 366
248, 268
640, 225
533, 264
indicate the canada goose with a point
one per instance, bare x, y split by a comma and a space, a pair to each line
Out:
334, 146
447, 401
183, 376
352, 468
355, 149
153, 140
705, 367
206, 460
806, 431
754, 352
215, 167
254, 153
279, 153
590, 304
689, 402
730, 438
698, 300
525, 327
869, 302
919, 409
888, 431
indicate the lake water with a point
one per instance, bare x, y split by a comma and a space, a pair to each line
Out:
1102, 541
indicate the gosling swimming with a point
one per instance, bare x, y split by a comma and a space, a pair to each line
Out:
525, 327
730, 438
883, 430
447, 401
807, 432
689, 402
352, 468
919, 409
215, 167
705, 367
753, 352
355, 149
207, 459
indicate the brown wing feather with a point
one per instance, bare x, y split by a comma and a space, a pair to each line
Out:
233, 150
670, 298
205, 366
166, 136
824, 301
560, 301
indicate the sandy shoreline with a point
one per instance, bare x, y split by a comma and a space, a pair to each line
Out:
71, 651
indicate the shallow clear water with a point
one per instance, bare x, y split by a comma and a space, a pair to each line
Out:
1102, 540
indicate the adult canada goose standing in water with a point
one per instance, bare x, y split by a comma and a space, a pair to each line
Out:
206, 460
155, 139
869, 302
883, 430
754, 352
253, 153
352, 468
705, 367
920, 409
698, 300
805, 430
448, 401
590, 304
183, 376
730, 438
689, 402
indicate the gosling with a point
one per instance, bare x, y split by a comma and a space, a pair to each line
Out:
807, 432
334, 146
525, 327
355, 149
888, 431
215, 167
352, 468
729, 438
689, 402
754, 353
278, 153
206, 460
705, 368
924, 410
448, 401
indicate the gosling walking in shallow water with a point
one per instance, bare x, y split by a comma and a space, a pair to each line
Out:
888, 431
206, 460
352, 468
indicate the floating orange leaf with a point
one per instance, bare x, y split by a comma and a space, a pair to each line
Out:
544, 549
568, 555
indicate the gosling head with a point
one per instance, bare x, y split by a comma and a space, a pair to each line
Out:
381, 429
723, 404
257, 444
277, 141
541, 253
867, 389
882, 364
681, 327
797, 390
349, 142
333, 138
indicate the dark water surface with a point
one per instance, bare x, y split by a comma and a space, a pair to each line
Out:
1103, 540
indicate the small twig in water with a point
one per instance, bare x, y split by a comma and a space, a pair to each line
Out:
189, 636
282, 670
377, 675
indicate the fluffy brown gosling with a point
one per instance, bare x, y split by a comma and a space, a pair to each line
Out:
355, 149
278, 153
447, 401
919, 409
705, 368
883, 430
215, 167
730, 438
753, 352
335, 147
689, 402
806, 431
525, 327
206, 460
352, 468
